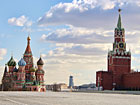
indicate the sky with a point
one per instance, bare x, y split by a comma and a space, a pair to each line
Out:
72, 36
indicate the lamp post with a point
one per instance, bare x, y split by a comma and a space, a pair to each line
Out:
114, 84
98, 83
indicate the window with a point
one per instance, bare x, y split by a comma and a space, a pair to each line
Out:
34, 89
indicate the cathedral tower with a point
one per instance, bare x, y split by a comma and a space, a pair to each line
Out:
28, 57
21, 74
11, 64
40, 72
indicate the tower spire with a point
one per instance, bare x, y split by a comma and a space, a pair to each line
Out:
28, 39
11, 53
28, 48
119, 25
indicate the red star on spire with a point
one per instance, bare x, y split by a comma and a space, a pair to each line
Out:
119, 10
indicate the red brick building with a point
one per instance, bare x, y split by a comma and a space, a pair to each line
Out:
119, 75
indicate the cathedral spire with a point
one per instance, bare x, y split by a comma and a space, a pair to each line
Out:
28, 58
119, 25
28, 39
28, 48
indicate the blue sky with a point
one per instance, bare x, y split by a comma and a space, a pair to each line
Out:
29, 8
73, 36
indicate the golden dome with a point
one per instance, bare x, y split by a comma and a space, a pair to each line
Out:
32, 69
29, 38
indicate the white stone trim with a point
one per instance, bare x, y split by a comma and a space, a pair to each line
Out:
122, 57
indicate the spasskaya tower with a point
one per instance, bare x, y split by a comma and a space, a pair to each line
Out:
119, 61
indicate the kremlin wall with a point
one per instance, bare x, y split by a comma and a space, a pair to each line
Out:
119, 75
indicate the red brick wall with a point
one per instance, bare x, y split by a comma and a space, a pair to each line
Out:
105, 80
131, 80
118, 67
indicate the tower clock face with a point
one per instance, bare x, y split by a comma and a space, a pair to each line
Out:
121, 45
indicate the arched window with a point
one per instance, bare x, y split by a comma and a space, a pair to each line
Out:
34, 89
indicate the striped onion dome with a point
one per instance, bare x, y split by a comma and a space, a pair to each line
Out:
11, 62
22, 62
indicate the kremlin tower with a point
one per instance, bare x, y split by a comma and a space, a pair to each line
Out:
119, 75
26, 77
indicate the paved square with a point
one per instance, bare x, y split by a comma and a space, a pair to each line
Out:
66, 98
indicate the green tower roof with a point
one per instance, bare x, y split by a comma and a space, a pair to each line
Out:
11, 62
119, 25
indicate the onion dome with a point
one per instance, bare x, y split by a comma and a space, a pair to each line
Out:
32, 69
40, 62
40, 72
15, 70
11, 62
22, 62
28, 38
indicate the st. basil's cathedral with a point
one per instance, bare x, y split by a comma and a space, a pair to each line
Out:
26, 77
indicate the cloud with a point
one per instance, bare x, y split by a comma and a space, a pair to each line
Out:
72, 56
21, 21
88, 41
80, 60
82, 50
92, 14
62, 62
78, 36
3, 52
